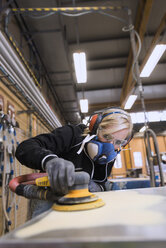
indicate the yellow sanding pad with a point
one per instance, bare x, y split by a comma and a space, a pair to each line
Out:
79, 207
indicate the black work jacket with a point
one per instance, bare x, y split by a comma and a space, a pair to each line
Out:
64, 142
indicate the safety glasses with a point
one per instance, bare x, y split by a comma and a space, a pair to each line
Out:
110, 138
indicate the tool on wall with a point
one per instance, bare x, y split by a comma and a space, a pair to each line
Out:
36, 186
8, 143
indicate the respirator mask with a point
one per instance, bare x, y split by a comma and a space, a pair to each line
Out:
101, 152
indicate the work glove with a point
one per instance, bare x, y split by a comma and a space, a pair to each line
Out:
60, 175
108, 185
94, 187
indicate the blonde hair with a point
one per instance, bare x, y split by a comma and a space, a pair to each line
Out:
116, 119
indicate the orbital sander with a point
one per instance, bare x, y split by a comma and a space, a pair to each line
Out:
37, 186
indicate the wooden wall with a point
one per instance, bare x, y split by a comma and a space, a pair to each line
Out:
29, 126
134, 156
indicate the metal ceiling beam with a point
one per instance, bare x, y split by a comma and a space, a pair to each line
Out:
87, 41
154, 101
107, 57
69, 101
116, 38
79, 88
98, 106
152, 104
147, 84
143, 13
104, 67
91, 68
71, 109
57, 30
62, 85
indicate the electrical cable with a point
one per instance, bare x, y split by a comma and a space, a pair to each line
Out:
13, 169
17, 199
137, 55
128, 29
8, 168
41, 16
62, 13
4, 177
125, 29
78, 14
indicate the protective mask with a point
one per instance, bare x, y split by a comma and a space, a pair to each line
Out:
100, 152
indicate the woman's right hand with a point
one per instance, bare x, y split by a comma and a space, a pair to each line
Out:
60, 175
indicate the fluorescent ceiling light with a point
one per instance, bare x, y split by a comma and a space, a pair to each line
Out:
84, 105
142, 129
130, 101
80, 67
153, 60
85, 120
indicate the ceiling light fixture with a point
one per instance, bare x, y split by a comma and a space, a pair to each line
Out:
153, 60
80, 67
130, 101
84, 105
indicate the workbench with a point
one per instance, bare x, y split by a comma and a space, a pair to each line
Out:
131, 183
129, 219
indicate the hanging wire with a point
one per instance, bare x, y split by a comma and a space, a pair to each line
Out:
137, 55
128, 29
40, 16
37, 16
76, 15
77, 32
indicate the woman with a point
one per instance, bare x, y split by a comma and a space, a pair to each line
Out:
69, 149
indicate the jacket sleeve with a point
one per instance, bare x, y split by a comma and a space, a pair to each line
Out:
32, 151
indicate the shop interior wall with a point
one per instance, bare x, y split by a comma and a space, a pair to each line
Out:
134, 156
29, 126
